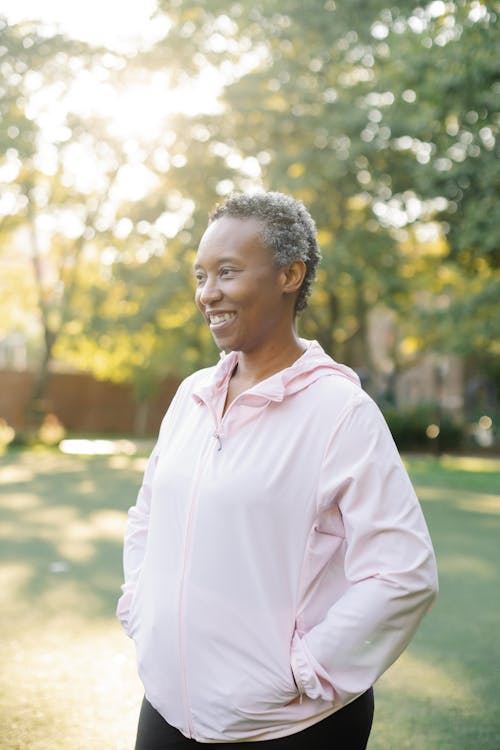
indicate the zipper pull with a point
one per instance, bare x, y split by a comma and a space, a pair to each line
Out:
299, 686
219, 441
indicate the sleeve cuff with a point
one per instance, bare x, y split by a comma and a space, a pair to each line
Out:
123, 609
310, 677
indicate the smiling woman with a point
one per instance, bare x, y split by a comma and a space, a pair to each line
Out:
277, 560
242, 293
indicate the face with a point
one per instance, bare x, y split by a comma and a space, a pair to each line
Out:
239, 290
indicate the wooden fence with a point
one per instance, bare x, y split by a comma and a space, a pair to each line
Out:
84, 404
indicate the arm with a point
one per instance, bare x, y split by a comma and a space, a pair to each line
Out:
136, 534
389, 563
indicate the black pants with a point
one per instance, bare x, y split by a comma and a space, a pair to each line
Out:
347, 729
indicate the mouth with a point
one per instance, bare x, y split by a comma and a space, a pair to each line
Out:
218, 320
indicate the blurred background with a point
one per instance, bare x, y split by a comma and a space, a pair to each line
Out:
122, 123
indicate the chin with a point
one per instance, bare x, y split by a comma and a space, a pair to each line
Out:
223, 344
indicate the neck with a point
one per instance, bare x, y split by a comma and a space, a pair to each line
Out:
255, 367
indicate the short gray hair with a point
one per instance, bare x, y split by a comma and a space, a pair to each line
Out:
289, 230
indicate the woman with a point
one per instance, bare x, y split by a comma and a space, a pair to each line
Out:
277, 560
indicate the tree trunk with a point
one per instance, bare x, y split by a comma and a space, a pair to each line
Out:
38, 405
141, 418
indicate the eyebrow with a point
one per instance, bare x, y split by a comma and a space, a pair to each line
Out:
227, 259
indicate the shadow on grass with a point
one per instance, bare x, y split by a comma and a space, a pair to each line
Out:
62, 521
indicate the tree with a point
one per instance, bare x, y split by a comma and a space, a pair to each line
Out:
46, 218
304, 138
444, 123
382, 119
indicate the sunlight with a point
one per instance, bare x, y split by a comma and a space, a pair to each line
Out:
15, 575
489, 504
113, 22
465, 564
472, 463
84, 447
427, 681
478, 502
20, 501
10, 474
136, 114
141, 111
74, 539
124, 462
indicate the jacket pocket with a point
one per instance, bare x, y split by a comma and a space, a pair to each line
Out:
312, 680
263, 688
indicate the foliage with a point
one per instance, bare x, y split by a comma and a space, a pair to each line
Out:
383, 119
347, 107
414, 429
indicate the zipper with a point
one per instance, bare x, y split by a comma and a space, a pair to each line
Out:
301, 693
218, 436
218, 433
182, 589
299, 686
296, 678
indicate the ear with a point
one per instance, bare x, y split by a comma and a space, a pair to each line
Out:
292, 276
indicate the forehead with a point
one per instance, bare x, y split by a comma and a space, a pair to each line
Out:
231, 236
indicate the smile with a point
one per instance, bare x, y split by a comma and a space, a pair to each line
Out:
216, 319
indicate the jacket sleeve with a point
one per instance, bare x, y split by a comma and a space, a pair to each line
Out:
136, 531
136, 534
389, 563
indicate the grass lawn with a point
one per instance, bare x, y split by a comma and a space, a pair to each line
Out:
68, 676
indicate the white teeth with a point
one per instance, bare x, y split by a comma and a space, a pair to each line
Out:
215, 318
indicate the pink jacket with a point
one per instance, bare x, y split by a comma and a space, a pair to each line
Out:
277, 560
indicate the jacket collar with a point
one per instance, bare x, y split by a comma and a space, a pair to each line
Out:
312, 365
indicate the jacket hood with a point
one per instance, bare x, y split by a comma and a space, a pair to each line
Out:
312, 365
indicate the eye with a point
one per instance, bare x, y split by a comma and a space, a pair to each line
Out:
227, 272
199, 277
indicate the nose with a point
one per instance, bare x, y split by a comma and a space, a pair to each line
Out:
209, 291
